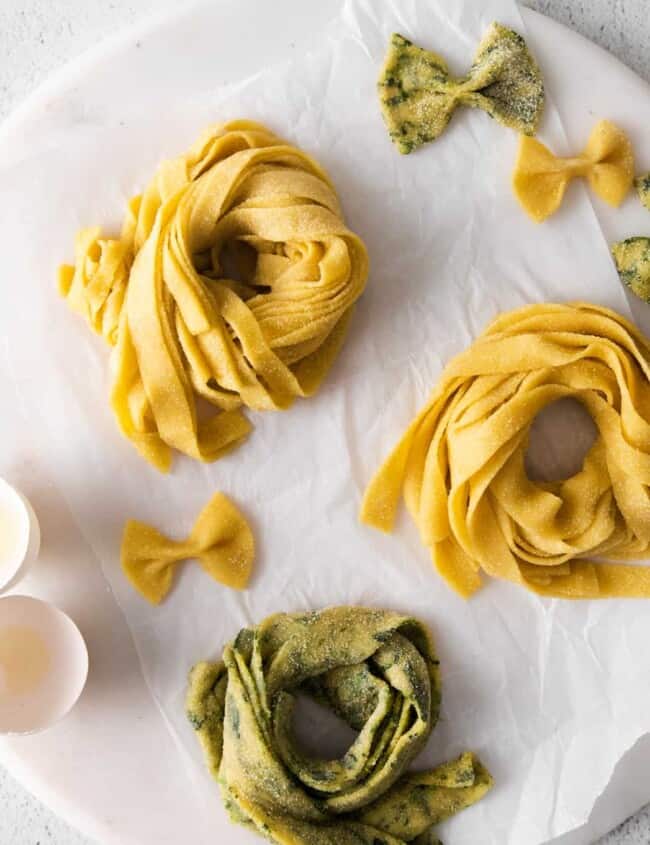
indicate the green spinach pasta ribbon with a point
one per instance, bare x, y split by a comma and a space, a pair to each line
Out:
376, 670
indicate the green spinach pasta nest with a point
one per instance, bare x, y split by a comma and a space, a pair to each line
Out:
377, 670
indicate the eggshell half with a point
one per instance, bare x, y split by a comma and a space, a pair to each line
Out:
43, 664
20, 536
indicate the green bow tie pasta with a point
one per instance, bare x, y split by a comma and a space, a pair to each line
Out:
378, 672
418, 96
632, 259
632, 256
642, 185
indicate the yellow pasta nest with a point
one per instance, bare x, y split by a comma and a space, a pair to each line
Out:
460, 465
233, 280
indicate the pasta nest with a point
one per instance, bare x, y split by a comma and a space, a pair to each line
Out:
233, 281
461, 464
377, 671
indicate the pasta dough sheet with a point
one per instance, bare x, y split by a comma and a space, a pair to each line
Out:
535, 687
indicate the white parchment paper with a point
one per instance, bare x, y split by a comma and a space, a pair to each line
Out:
549, 694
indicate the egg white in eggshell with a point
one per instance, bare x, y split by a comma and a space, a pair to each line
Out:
43, 664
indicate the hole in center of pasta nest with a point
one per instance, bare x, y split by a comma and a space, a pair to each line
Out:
237, 262
560, 437
318, 731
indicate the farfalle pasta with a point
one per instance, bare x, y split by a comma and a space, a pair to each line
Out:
460, 465
376, 670
418, 96
540, 178
642, 185
221, 541
632, 259
234, 280
632, 255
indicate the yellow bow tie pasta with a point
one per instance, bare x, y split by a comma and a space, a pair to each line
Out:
234, 280
540, 178
460, 465
221, 541
418, 96
378, 672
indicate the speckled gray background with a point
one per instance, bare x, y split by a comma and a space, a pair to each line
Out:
38, 36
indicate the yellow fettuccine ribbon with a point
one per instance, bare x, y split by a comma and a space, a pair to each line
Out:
233, 280
540, 178
460, 465
378, 672
221, 540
